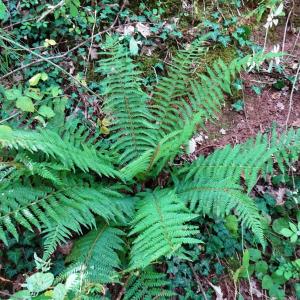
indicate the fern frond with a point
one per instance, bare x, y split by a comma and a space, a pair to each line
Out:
51, 144
95, 256
132, 125
70, 207
168, 95
53, 237
148, 284
219, 197
287, 150
183, 94
248, 160
161, 227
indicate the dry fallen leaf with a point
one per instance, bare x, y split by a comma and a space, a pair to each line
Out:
93, 53
144, 30
296, 123
218, 291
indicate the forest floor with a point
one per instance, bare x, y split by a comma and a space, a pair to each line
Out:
270, 106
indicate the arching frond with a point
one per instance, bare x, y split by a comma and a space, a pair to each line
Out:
148, 284
161, 227
94, 256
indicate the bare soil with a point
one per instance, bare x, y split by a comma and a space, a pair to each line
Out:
260, 111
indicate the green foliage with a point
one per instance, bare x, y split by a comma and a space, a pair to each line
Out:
116, 189
95, 256
147, 285
161, 225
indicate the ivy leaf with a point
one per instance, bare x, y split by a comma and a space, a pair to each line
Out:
25, 104
279, 224
133, 46
46, 112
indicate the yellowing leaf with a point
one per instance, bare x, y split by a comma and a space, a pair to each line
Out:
105, 122
34, 80
44, 76
104, 130
49, 43
25, 104
48, 293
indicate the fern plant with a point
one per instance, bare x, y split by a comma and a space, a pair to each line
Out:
64, 181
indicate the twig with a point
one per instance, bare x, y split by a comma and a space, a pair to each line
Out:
10, 117
59, 4
285, 28
4, 293
291, 97
32, 63
91, 45
295, 44
200, 287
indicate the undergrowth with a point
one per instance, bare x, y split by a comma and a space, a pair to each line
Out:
96, 202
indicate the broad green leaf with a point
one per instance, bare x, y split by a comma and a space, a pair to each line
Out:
286, 232
39, 282
232, 224
294, 238
279, 224
73, 7
267, 282
293, 227
261, 267
255, 254
25, 104
46, 112
13, 94
59, 292
34, 94
21, 295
